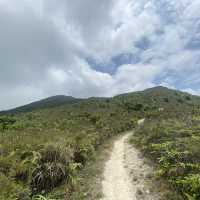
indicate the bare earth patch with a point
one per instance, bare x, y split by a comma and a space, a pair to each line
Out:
126, 175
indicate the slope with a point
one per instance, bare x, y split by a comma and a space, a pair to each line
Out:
49, 102
42, 151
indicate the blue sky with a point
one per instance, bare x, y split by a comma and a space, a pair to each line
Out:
96, 48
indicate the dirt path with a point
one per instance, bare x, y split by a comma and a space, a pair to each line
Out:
126, 175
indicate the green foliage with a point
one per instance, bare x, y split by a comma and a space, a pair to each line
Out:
175, 148
188, 98
190, 185
45, 149
138, 107
47, 176
5, 122
9, 189
51, 169
166, 99
40, 197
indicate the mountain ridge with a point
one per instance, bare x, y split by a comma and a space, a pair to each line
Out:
48, 102
63, 131
59, 100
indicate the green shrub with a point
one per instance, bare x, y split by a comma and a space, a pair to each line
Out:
9, 190
175, 147
83, 151
51, 170
52, 154
190, 185
138, 107
5, 165
166, 99
47, 176
21, 172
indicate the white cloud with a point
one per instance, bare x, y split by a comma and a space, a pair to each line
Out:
134, 77
20, 95
57, 75
46, 44
82, 80
191, 91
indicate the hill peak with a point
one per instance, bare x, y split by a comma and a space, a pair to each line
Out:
48, 102
158, 88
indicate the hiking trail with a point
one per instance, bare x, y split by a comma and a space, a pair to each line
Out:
126, 174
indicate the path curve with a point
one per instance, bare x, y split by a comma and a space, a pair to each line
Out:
126, 174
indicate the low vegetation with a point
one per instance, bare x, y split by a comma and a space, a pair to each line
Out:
174, 144
43, 151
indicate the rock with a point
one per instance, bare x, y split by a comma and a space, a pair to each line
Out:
147, 191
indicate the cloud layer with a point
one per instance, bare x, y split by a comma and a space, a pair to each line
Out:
96, 48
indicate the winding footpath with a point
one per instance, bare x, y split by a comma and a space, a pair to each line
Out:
126, 174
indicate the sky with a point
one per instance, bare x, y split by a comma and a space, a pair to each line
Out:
85, 48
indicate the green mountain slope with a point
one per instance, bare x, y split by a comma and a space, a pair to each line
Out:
45, 145
157, 96
44, 103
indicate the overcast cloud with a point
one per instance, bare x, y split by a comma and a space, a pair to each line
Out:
89, 48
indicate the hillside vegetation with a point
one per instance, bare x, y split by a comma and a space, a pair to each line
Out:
42, 151
45, 103
172, 141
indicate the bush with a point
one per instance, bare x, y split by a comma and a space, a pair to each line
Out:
9, 190
6, 121
190, 185
51, 170
21, 173
5, 165
47, 176
166, 100
83, 151
175, 148
53, 154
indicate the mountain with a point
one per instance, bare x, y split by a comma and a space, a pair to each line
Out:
49, 102
157, 96
160, 97
38, 148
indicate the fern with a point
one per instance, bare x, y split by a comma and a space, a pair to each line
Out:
190, 197
40, 197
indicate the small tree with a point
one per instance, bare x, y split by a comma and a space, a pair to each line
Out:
6, 121
138, 107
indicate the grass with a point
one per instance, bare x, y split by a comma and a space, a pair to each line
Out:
89, 185
53, 151
47, 150
174, 145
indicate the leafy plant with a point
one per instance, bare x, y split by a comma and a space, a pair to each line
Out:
40, 197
